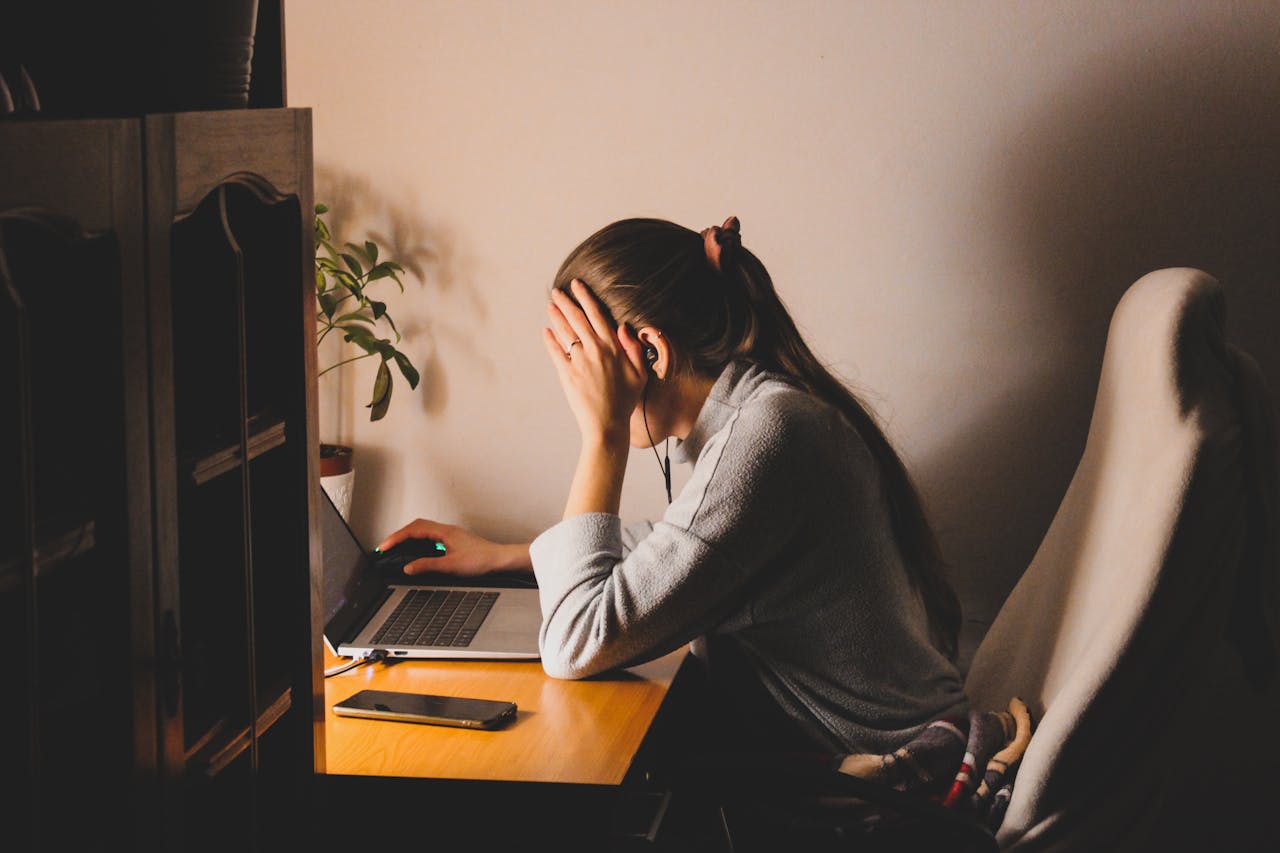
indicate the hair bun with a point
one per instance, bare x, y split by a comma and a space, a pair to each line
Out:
716, 239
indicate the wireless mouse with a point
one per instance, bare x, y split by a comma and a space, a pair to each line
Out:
397, 556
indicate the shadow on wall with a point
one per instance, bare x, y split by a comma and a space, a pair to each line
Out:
434, 274
1148, 156
428, 254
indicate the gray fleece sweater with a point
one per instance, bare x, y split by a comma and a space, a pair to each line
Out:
778, 544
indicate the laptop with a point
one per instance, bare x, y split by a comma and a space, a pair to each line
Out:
433, 616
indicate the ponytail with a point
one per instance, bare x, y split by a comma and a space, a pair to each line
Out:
716, 300
774, 342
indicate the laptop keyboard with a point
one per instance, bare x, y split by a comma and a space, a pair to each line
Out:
436, 618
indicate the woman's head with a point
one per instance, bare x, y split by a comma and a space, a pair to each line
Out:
714, 302
655, 273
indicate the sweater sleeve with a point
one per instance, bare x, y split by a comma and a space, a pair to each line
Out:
634, 534
605, 605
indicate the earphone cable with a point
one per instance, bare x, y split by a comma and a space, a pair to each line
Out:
664, 468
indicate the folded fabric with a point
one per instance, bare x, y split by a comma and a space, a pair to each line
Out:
967, 764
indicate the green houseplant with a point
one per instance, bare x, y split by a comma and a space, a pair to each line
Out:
347, 307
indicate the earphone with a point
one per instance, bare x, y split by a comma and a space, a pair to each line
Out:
651, 358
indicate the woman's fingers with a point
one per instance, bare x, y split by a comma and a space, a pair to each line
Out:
396, 538
600, 368
592, 310
420, 528
575, 322
564, 333
555, 350
580, 316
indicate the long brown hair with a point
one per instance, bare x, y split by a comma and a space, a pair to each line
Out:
650, 272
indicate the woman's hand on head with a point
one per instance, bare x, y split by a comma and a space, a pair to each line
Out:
465, 553
600, 364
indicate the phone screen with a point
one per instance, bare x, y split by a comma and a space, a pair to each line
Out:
427, 708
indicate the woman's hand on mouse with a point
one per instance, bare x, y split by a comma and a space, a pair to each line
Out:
465, 553
600, 364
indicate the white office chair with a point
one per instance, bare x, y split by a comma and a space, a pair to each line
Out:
1157, 576
1161, 553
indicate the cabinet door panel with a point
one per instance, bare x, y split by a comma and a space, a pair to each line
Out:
159, 448
207, 363
230, 230
74, 548
215, 641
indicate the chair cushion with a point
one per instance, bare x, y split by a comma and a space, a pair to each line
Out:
1127, 596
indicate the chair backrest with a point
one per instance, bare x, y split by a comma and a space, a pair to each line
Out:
1132, 587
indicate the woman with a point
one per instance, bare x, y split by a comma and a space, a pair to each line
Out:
797, 559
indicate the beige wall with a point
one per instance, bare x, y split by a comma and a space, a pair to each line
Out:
951, 197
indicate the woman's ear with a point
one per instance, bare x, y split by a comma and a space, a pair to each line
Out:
657, 355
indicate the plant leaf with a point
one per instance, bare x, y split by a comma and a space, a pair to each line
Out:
392, 324
409, 371
381, 393
352, 285
354, 317
361, 337
353, 264
387, 269
328, 303
382, 270
362, 252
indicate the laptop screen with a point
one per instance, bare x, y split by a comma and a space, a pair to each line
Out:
345, 566
344, 559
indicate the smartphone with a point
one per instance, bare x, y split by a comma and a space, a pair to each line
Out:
426, 708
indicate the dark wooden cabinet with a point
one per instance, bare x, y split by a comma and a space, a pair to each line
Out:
75, 550
158, 563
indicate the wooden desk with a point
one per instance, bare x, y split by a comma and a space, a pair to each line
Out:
579, 732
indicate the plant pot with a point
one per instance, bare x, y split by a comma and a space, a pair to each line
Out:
337, 475
210, 53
